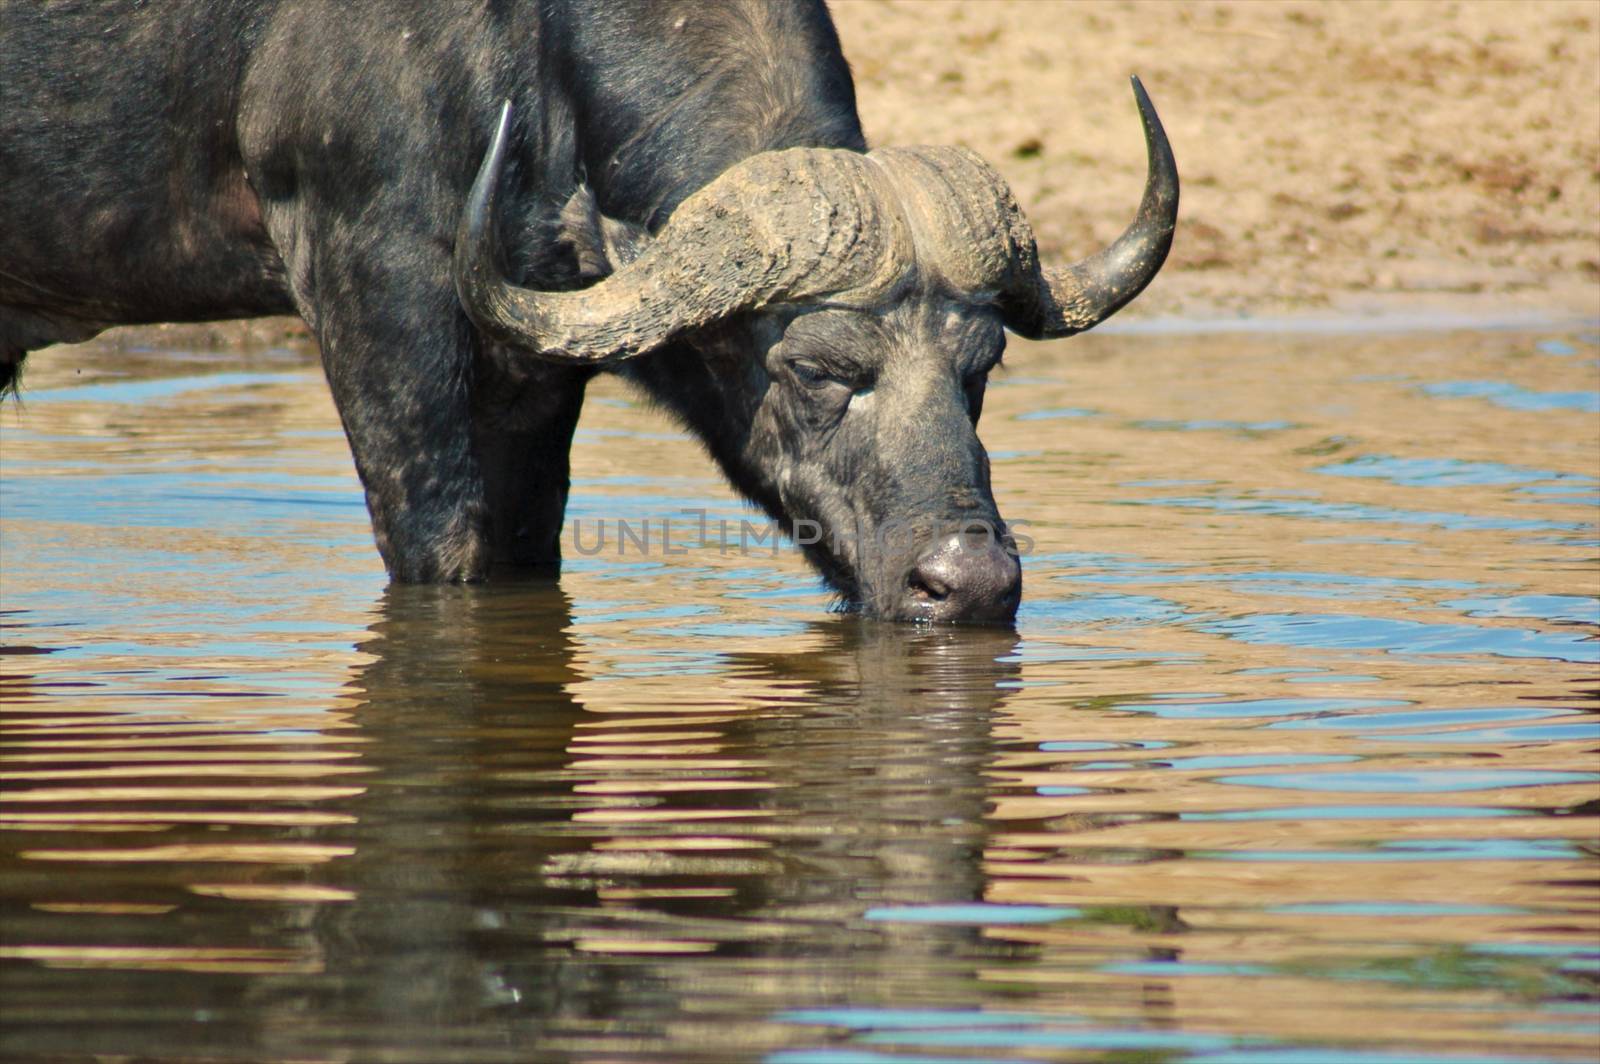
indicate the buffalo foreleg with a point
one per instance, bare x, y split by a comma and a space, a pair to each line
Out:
398, 354
523, 452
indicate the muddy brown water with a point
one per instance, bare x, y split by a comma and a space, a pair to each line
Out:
1291, 756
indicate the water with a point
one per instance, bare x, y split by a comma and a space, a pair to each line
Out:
1291, 758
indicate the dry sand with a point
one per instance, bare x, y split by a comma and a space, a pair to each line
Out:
1341, 155
1337, 157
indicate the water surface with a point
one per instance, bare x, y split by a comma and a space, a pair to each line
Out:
1290, 758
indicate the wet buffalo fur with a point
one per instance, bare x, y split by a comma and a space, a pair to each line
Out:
193, 160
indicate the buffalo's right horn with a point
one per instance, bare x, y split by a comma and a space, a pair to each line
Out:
781, 226
1054, 302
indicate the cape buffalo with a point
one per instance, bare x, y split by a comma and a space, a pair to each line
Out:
677, 191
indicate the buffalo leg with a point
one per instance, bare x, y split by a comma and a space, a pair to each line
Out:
526, 470
408, 420
398, 356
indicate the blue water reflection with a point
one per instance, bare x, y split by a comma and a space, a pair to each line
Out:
1256, 707
151, 391
1580, 609
1403, 637
1421, 781
1447, 472
1349, 511
1386, 811
1422, 718
1514, 397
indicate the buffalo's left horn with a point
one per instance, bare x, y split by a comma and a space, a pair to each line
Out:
781, 226
1049, 303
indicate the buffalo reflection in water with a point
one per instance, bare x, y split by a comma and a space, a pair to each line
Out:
549, 856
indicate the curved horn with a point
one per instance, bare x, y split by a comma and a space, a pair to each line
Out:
1059, 302
786, 225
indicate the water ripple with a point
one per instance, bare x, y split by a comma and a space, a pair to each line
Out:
1514, 397
1396, 636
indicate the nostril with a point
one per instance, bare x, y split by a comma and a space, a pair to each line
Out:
927, 586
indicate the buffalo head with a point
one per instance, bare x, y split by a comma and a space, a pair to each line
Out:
855, 303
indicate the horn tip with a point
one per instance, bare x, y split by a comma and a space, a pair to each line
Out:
1156, 143
475, 263
1141, 97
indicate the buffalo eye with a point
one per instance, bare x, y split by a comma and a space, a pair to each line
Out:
820, 379
812, 375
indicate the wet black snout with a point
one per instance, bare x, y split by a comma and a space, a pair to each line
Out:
963, 578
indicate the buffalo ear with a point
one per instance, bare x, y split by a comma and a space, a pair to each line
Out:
601, 245
725, 345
